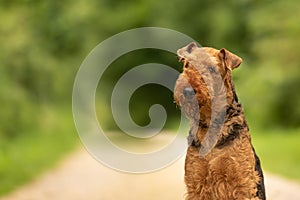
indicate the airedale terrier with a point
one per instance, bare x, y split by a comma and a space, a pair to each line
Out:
221, 163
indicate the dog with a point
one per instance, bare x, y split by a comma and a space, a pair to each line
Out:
221, 163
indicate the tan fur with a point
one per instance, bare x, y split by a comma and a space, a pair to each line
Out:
227, 171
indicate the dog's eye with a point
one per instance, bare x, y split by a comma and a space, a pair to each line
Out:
211, 69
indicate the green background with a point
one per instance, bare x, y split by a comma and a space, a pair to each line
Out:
44, 42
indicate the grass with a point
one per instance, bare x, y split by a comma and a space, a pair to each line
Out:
279, 151
27, 156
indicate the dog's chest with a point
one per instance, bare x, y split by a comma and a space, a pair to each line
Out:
219, 174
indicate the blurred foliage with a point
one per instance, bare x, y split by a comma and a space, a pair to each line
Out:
44, 42
271, 84
287, 103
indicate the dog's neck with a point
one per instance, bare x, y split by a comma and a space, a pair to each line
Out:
234, 116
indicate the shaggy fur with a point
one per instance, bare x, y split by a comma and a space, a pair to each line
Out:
223, 165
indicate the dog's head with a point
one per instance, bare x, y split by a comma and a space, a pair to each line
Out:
205, 85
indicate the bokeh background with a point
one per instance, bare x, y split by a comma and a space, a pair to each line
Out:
44, 42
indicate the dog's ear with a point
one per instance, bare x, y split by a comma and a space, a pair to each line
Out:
231, 60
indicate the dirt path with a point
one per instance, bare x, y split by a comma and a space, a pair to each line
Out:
80, 177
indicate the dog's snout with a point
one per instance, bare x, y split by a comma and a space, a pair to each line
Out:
188, 92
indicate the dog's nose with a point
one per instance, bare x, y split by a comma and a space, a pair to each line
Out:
189, 92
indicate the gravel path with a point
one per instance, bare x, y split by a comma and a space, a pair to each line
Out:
80, 177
